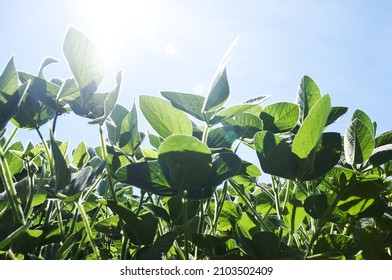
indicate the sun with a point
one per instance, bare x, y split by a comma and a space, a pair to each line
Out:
112, 23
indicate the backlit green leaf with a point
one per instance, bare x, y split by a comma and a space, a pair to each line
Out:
312, 128
129, 136
85, 62
280, 117
62, 174
293, 214
307, 96
163, 117
358, 142
187, 102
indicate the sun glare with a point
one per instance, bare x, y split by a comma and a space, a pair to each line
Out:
112, 23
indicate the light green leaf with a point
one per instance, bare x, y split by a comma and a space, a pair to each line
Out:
163, 117
80, 155
358, 197
358, 142
293, 214
85, 62
312, 128
219, 90
222, 137
230, 112
129, 136
307, 96
187, 102
363, 117
280, 117
47, 61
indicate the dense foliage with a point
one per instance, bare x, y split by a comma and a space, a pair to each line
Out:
183, 192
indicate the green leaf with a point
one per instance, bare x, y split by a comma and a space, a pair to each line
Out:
275, 155
381, 155
307, 96
163, 117
176, 210
293, 214
187, 102
211, 245
110, 101
280, 117
80, 155
363, 117
159, 249
8, 80
148, 176
335, 114
114, 125
266, 244
15, 163
247, 125
358, 197
358, 142
158, 212
129, 135
10, 102
336, 243
383, 139
44, 91
62, 174
316, 205
371, 242
231, 112
323, 158
312, 128
47, 61
221, 137
85, 62
188, 161
135, 227
219, 90
224, 166
69, 90
110, 227
32, 114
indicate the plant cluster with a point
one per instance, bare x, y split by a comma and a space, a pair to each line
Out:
187, 194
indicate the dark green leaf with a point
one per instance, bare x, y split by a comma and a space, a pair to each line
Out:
159, 249
147, 176
267, 245
371, 243
335, 114
275, 155
176, 210
80, 155
316, 205
384, 139
211, 245
158, 212
62, 174
184, 155
381, 155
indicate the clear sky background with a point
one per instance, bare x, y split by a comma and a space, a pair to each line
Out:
345, 46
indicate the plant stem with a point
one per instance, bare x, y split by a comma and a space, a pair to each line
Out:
108, 171
186, 233
10, 189
48, 154
8, 142
88, 229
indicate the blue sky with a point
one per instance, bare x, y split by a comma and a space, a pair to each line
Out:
345, 46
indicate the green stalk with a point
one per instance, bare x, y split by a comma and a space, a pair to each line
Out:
275, 190
30, 174
108, 171
88, 229
48, 154
10, 189
12, 135
186, 233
